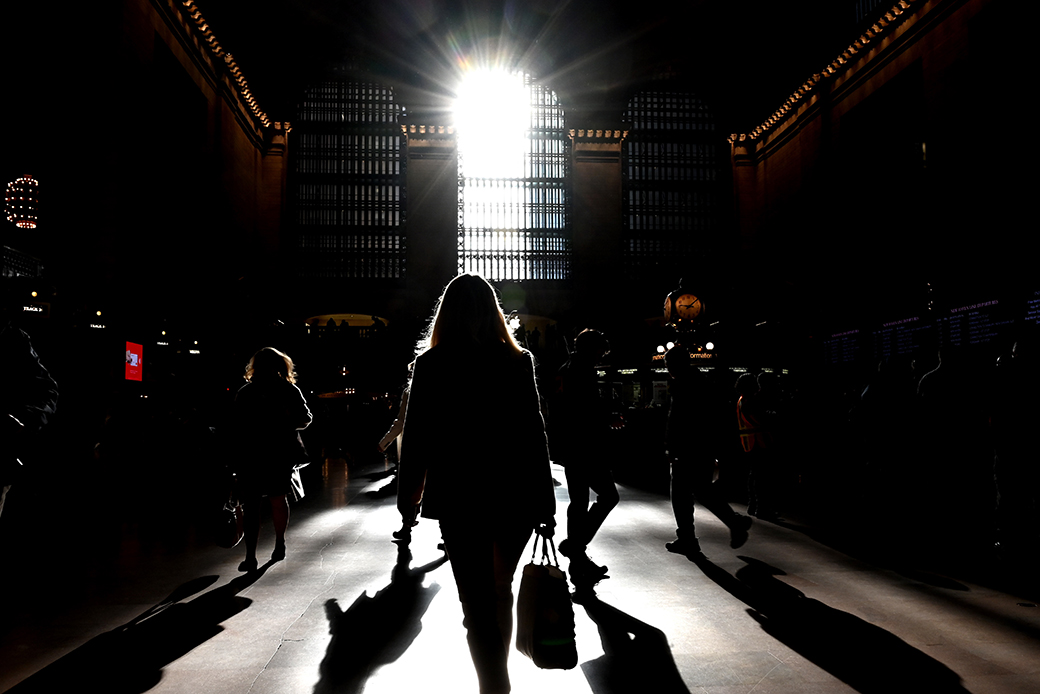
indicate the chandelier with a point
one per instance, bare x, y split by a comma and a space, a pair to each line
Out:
21, 202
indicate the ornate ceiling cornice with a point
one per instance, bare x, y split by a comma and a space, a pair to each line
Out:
431, 130
597, 135
883, 27
238, 79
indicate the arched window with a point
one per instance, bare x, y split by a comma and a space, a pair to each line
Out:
513, 172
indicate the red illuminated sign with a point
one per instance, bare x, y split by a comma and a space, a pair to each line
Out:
134, 361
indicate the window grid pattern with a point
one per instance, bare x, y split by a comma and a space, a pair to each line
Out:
336, 256
670, 176
14, 263
349, 154
518, 228
350, 173
866, 8
348, 102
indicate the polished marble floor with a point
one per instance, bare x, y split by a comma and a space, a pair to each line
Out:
132, 605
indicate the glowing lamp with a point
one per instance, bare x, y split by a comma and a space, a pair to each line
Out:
21, 202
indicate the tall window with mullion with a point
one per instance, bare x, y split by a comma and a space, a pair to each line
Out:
513, 164
670, 178
349, 182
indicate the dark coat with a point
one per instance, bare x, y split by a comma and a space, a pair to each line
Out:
579, 417
474, 440
267, 446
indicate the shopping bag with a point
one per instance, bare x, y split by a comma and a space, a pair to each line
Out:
229, 526
544, 616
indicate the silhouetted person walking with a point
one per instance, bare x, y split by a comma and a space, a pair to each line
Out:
691, 440
269, 412
474, 456
755, 440
580, 422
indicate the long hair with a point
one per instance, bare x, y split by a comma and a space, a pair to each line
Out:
468, 312
270, 362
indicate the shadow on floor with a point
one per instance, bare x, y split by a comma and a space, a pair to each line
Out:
634, 653
376, 630
860, 654
130, 658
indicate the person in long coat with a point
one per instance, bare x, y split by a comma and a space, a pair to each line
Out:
475, 458
269, 412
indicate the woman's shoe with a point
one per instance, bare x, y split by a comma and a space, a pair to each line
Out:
688, 548
580, 564
585, 573
279, 552
248, 565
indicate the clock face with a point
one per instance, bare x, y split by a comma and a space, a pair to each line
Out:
688, 307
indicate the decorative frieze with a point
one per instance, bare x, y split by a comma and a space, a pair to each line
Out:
869, 40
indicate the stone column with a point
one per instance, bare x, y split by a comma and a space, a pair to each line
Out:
432, 224
271, 207
596, 221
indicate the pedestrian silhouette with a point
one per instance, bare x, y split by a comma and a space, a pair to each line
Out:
580, 422
473, 392
691, 444
268, 452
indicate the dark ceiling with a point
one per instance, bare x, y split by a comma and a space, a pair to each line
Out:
744, 57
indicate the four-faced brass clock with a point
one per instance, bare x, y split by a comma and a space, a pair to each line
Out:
682, 307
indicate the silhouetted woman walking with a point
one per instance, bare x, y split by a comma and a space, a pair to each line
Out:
475, 456
269, 412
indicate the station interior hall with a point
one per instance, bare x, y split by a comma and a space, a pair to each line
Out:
828, 196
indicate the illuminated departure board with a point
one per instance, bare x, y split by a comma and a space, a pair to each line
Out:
907, 336
843, 348
1032, 315
973, 324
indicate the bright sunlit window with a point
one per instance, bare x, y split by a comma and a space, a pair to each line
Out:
512, 158
492, 117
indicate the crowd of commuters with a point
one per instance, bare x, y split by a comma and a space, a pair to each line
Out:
948, 449
909, 448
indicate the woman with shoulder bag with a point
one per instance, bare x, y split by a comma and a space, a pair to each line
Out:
476, 459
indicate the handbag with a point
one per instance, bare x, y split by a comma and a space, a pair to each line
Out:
296, 485
544, 615
229, 527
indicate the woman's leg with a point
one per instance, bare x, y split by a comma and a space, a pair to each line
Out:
509, 548
280, 518
578, 509
483, 561
681, 493
251, 531
601, 480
